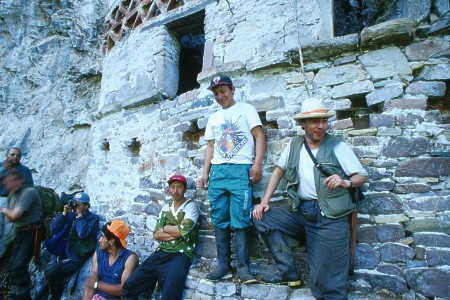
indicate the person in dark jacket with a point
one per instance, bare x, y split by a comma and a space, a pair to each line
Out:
82, 242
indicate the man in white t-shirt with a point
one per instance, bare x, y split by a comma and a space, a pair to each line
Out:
233, 163
319, 205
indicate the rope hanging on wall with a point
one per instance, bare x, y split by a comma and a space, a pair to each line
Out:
300, 49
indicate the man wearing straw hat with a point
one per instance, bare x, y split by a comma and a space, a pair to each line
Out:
319, 205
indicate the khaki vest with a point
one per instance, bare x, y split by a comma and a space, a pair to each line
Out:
333, 203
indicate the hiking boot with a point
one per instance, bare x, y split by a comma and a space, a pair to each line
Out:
242, 258
282, 254
223, 254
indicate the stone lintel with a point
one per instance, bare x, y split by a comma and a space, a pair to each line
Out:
232, 67
398, 32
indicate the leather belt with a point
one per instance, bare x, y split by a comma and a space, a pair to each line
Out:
29, 226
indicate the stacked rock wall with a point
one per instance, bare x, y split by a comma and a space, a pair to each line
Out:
388, 85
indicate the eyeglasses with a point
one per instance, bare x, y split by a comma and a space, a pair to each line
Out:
14, 154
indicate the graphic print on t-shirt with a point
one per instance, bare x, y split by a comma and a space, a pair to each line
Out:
232, 139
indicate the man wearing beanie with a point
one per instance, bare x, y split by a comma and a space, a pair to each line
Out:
112, 263
177, 232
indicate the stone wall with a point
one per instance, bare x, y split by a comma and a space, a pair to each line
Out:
50, 83
388, 86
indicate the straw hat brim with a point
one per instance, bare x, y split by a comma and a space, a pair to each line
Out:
312, 116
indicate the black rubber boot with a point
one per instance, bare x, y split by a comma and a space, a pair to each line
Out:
56, 290
223, 254
242, 257
43, 292
12, 292
282, 254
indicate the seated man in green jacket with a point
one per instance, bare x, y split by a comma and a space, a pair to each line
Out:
168, 266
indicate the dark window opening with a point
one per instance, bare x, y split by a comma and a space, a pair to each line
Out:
192, 136
361, 121
359, 112
134, 147
358, 101
344, 114
105, 145
441, 103
360, 118
265, 123
351, 16
190, 34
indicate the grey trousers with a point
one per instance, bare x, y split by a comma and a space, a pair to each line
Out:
327, 243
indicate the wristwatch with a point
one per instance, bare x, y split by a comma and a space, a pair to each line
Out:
95, 285
351, 183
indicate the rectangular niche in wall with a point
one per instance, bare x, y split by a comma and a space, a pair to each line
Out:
156, 62
190, 35
352, 16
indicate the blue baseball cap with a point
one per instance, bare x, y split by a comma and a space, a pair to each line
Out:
220, 79
82, 197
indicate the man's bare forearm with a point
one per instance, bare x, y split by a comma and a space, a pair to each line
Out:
274, 180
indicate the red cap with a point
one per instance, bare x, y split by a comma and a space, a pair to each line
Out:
178, 177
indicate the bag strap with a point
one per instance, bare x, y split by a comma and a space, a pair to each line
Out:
316, 164
355, 193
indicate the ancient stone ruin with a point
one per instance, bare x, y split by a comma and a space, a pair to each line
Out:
110, 97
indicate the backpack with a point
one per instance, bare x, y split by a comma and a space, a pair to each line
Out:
50, 200
51, 206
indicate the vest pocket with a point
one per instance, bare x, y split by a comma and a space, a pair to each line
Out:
338, 202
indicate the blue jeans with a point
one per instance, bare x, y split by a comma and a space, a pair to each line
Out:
327, 242
230, 195
57, 273
169, 270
